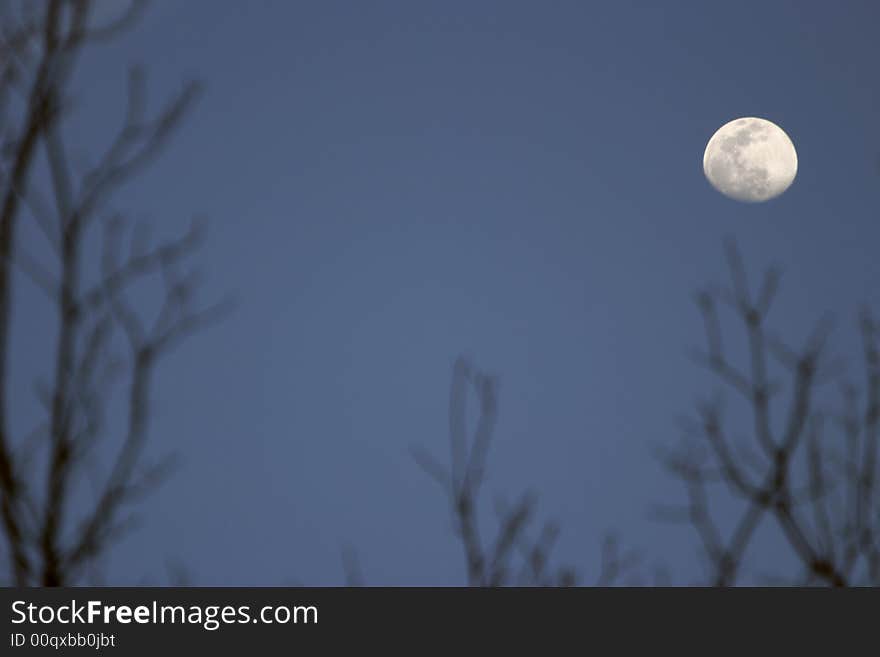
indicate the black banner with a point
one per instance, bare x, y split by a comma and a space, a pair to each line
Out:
134, 621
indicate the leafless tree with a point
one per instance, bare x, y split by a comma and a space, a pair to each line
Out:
53, 530
517, 555
808, 463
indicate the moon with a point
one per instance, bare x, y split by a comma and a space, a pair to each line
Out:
750, 159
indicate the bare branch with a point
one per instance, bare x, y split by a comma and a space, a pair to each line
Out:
768, 486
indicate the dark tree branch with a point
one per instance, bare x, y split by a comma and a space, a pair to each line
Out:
487, 563
841, 501
48, 541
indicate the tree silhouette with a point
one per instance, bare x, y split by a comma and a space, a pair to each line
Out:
517, 556
103, 341
813, 474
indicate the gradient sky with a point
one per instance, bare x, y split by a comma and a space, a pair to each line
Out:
391, 184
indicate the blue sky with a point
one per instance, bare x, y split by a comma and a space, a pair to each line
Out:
391, 184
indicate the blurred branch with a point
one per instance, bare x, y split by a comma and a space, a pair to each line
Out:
351, 565
48, 542
842, 526
512, 557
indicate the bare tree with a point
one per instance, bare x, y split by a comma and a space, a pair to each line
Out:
54, 531
517, 555
808, 465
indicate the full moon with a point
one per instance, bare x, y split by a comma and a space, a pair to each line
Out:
750, 159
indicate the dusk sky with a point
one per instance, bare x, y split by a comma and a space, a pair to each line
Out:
389, 185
